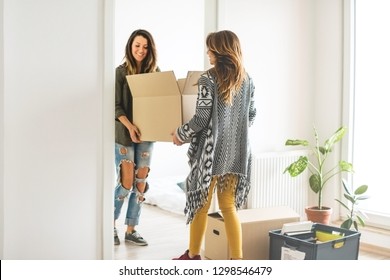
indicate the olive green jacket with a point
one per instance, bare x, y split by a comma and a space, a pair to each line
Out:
123, 106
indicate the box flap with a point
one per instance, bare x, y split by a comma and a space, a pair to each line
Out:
153, 84
189, 95
191, 83
181, 83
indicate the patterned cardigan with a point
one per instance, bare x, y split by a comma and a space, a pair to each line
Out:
219, 143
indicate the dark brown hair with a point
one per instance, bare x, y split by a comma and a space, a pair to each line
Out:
149, 64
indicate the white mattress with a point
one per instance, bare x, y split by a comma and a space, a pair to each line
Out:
167, 194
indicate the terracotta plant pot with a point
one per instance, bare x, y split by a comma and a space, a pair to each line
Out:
319, 216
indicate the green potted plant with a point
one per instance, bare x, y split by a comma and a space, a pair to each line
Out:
354, 215
320, 173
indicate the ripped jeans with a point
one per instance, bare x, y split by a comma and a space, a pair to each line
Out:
140, 155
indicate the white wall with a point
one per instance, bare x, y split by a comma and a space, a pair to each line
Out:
277, 42
295, 57
1, 134
328, 80
53, 135
56, 172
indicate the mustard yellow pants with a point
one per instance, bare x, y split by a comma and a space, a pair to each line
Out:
226, 199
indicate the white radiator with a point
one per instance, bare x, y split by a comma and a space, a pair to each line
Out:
270, 187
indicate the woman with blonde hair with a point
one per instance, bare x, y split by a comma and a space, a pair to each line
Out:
219, 152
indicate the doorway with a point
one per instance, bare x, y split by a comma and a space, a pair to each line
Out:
178, 32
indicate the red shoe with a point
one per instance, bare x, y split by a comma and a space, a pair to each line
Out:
186, 257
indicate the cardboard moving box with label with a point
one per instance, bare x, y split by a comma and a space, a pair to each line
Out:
159, 104
256, 224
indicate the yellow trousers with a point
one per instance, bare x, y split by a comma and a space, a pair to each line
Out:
226, 199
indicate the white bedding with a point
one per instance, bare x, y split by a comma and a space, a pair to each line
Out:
167, 194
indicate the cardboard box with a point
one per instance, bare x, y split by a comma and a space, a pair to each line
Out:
156, 104
255, 223
181, 83
160, 103
190, 95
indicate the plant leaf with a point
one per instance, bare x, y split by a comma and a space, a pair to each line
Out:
347, 224
345, 166
361, 213
350, 198
361, 221
361, 190
297, 167
355, 225
343, 204
315, 183
345, 185
362, 197
323, 150
337, 136
296, 142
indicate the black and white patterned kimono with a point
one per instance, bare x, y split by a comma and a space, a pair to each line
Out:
219, 144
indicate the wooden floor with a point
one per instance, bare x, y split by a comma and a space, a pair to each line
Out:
165, 232
167, 235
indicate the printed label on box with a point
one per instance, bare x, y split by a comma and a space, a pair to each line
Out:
290, 254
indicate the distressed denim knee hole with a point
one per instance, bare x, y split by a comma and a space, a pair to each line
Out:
123, 151
122, 193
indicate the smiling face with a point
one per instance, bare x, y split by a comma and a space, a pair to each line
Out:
139, 48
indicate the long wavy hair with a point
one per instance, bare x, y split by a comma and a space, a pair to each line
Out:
149, 64
228, 67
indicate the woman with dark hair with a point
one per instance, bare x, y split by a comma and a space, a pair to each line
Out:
132, 156
219, 152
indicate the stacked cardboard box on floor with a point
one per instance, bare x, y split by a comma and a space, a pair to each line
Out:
255, 223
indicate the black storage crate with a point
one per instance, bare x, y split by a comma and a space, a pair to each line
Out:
344, 248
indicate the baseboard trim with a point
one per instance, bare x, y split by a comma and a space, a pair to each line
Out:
369, 248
